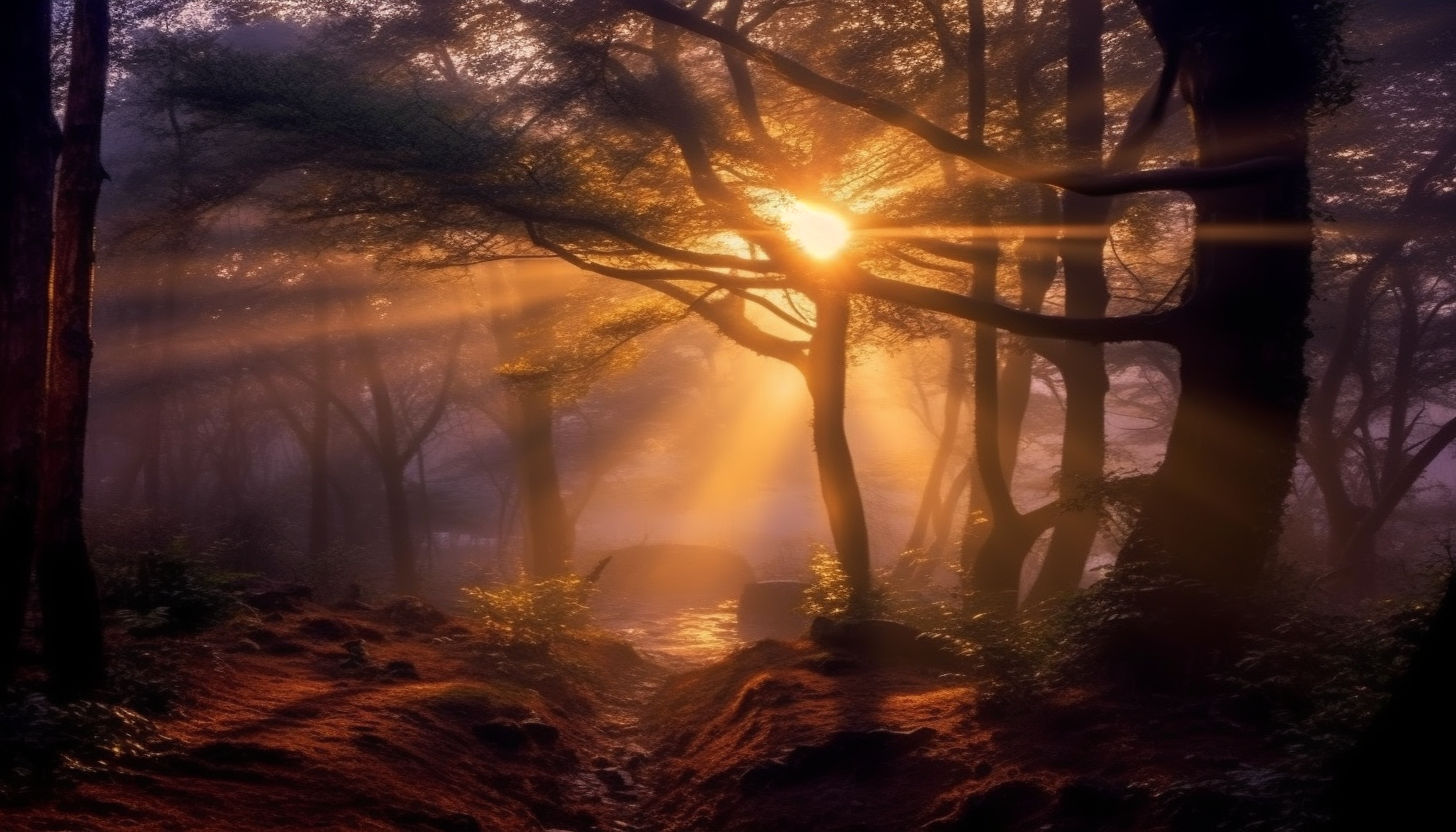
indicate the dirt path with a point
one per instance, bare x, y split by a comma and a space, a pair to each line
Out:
619, 781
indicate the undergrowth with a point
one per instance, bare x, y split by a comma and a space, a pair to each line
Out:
532, 614
45, 745
1282, 664
171, 590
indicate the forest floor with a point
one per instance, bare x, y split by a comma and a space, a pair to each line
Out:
397, 718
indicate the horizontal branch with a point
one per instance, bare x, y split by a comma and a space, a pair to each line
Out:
977, 152
1160, 327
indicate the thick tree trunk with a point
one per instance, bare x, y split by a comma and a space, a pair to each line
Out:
74, 653
28, 148
1214, 506
550, 533
837, 481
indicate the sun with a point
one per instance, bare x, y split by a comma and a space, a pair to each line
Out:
820, 233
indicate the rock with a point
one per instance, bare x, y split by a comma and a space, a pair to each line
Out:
540, 732
502, 734
414, 614
857, 752
670, 573
284, 647
326, 629
615, 779
401, 669
369, 633
830, 664
285, 598
356, 654
1001, 808
772, 609
272, 643
884, 641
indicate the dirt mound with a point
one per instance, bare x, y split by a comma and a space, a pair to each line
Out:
344, 720
361, 725
791, 737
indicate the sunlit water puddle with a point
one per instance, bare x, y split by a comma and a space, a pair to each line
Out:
678, 636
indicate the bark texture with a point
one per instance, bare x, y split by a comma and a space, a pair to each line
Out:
1213, 509
70, 606
29, 143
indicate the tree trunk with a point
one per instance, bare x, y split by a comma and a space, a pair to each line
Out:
74, 652
317, 446
955, 394
391, 466
550, 534
995, 575
1084, 372
1214, 505
401, 538
837, 481
28, 148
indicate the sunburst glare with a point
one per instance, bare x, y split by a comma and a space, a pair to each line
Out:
819, 232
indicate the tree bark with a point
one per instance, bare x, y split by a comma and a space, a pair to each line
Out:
995, 576
825, 375
386, 448
28, 150
70, 606
550, 533
1082, 366
1214, 506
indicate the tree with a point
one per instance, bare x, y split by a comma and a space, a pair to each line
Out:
1250, 74
47, 266
613, 153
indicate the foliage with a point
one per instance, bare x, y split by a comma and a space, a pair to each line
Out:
828, 593
532, 614
1318, 677
169, 591
1320, 28
829, 596
44, 744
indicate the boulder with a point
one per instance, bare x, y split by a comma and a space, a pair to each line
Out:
771, 609
671, 573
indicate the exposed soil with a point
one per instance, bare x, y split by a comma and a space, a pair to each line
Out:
365, 720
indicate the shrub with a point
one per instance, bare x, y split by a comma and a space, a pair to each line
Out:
43, 744
532, 614
169, 591
828, 593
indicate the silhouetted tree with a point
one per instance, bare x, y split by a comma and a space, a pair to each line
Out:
45, 307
